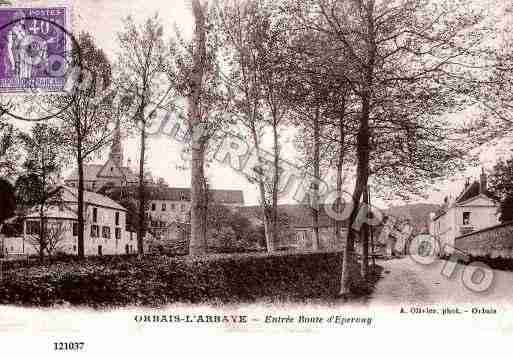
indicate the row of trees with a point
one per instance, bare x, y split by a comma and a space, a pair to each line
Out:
366, 83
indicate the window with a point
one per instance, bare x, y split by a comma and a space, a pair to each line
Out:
163, 206
182, 207
74, 248
95, 231
466, 218
173, 206
75, 229
117, 233
153, 206
106, 232
95, 215
117, 219
32, 227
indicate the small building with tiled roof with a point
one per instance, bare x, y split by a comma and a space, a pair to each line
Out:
472, 210
181, 194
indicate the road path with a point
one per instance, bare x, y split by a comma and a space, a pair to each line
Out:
408, 282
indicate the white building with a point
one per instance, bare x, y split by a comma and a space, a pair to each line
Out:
105, 230
472, 210
169, 209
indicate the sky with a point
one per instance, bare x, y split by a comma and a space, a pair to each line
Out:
104, 19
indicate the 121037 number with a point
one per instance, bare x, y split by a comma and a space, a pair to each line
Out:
68, 346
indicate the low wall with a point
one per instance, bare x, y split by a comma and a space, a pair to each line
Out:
493, 242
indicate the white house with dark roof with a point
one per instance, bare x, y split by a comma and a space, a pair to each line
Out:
473, 210
105, 227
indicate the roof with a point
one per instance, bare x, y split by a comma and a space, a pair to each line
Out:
222, 196
472, 191
130, 176
300, 216
60, 212
91, 173
469, 192
70, 194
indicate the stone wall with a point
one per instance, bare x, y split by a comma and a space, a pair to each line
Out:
494, 242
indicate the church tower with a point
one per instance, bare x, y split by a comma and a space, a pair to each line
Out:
116, 149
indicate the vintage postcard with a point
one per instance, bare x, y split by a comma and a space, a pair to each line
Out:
298, 177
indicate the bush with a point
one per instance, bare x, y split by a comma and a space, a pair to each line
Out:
156, 281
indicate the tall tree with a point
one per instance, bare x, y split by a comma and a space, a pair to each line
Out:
402, 55
248, 33
141, 65
85, 120
195, 74
321, 111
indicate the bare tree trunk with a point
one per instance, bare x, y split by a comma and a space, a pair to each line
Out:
362, 148
41, 233
80, 201
365, 237
198, 243
371, 234
141, 191
276, 179
42, 243
317, 174
340, 169
261, 188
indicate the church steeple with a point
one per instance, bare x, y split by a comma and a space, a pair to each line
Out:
116, 149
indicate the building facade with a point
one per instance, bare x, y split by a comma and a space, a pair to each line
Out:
473, 210
169, 209
105, 230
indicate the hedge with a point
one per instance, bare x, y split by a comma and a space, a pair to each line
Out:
159, 280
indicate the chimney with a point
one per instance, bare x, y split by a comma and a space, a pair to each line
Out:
482, 182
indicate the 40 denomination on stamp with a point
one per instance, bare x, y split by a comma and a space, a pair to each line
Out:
35, 49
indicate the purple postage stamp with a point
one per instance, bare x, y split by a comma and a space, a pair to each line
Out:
35, 48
